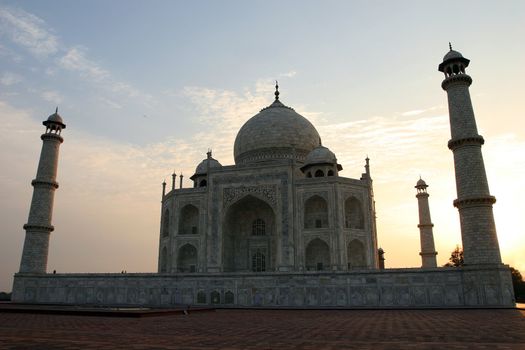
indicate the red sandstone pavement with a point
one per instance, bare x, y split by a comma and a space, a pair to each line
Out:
271, 329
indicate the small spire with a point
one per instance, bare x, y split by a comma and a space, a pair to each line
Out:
320, 143
450, 46
56, 110
276, 90
208, 154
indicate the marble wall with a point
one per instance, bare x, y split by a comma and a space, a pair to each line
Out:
397, 288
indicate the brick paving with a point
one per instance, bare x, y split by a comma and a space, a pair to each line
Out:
271, 329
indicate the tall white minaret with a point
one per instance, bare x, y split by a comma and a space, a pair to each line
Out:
428, 251
38, 227
474, 202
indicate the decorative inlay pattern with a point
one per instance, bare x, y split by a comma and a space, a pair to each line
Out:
232, 194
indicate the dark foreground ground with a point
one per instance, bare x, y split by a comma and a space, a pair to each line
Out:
268, 329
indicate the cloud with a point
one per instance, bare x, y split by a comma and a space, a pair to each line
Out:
289, 74
52, 96
32, 33
75, 60
28, 31
111, 103
416, 112
8, 53
9, 79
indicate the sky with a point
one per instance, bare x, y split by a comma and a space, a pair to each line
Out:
146, 87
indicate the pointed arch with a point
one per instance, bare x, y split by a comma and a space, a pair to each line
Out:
317, 255
356, 254
319, 173
189, 220
166, 223
249, 236
315, 212
163, 268
354, 217
187, 258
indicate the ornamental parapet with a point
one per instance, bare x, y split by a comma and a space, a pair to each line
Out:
482, 201
51, 136
36, 227
458, 79
44, 183
477, 140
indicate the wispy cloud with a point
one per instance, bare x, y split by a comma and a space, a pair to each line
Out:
110, 103
52, 96
28, 31
75, 60
9, 78
289, 74
32, 33
416, 112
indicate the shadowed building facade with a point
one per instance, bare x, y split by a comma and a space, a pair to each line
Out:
281, 228
281, 207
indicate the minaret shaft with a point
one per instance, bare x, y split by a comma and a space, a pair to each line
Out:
426, 235
38, 227
474, 202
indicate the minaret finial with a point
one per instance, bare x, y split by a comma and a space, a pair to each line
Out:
450, 46
56, 110
276, 90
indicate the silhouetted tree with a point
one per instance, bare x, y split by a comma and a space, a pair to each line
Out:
456, 258
518, 284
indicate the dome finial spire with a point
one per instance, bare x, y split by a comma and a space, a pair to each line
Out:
450, 46
56, 110
276, 90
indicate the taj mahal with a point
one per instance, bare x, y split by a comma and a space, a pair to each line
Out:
281, 207
281, 228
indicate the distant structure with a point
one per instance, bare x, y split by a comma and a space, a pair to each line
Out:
474, 202
282, 228
38, 227
428, 251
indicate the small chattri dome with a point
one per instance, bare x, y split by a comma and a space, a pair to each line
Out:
55, 119
202, 168
452, 55
320, 155
421, 183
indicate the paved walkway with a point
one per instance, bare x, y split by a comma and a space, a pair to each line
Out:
269, 329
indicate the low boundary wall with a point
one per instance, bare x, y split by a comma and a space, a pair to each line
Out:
391, 288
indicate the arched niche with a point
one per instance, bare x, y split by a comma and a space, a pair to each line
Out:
163, 260
166, 223
354, 217
317, 255
187, 258
315, 213
356, 255
241, 247
189, 220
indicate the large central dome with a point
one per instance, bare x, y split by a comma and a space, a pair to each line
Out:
276, 132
